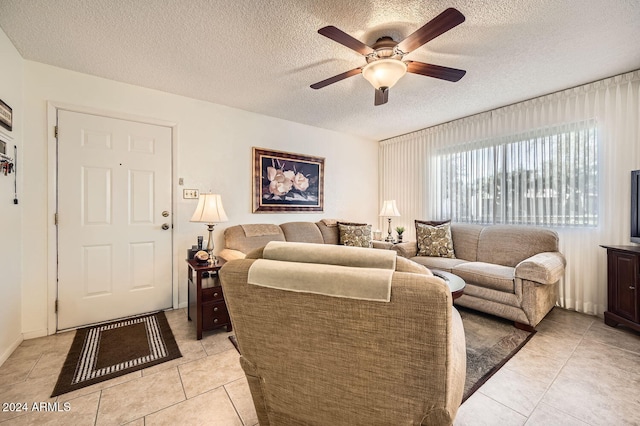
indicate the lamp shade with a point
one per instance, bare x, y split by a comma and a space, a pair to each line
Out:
384, 72
210, 209
389, 209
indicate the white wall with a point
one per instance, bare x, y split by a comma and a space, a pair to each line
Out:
213, 153
10, 214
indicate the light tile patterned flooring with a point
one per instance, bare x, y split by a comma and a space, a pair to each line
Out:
574, 371
204, 387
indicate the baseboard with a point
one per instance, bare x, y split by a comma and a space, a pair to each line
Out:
6, 354
35, 334
183, 305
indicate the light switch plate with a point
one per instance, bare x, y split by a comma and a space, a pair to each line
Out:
190, 193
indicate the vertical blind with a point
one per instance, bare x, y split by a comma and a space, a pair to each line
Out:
607, 111
544, 177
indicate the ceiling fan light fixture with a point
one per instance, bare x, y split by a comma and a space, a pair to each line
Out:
384, 72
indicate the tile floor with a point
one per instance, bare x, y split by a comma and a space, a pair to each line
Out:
574, 371
204, 387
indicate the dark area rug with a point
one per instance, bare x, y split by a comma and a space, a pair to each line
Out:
105, 351
491, 342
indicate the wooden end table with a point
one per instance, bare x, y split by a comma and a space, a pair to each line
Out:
205, 297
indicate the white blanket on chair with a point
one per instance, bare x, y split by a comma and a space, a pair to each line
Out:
338, 271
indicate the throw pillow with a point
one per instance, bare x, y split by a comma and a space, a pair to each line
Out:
432, 222
434, 240
355, 234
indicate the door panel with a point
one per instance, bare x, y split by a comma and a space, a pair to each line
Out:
96, 196
114, 182
96, 270
141, 194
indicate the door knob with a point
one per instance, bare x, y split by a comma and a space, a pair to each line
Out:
165, 226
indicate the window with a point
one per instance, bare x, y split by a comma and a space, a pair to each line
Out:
547, 177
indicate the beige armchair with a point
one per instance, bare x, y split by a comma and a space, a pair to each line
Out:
320, 354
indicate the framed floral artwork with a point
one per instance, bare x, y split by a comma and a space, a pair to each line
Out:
287, 182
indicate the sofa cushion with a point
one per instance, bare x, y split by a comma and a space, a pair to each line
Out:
488, 275
260, 229
465, 240
329, 230
434, 240
236, 239
302, 232
442, 263
509, 245
355, 234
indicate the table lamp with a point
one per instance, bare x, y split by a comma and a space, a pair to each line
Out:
389, 210
209, 211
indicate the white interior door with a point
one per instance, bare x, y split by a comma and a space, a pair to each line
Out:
114, 196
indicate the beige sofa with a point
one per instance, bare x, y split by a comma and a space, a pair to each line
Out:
510, 271
241, 239
317, 358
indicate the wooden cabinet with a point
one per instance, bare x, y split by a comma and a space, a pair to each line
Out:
623, 270
206, 300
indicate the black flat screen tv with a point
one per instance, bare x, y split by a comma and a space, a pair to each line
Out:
635, 206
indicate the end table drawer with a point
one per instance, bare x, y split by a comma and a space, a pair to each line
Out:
214, 315
212, 294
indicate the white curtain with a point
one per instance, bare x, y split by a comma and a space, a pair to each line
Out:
408, 171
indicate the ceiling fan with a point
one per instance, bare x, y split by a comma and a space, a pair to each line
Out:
384, 59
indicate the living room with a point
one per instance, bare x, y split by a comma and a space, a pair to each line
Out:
212, 142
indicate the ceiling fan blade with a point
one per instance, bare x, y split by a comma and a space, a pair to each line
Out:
432, 29
345, 39
336, 78
382, 96
435, 71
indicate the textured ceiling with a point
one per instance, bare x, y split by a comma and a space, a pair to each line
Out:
262, 55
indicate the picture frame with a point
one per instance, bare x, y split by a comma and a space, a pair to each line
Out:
287, 182
6, 116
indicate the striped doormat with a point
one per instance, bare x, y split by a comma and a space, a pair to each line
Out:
105, 351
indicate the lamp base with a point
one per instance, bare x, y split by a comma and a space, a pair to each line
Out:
210, 241
389, 238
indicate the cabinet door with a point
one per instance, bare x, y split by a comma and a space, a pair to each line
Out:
622, 289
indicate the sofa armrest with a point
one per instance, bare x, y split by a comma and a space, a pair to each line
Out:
544, 268
229, 254
384, 245
408, 249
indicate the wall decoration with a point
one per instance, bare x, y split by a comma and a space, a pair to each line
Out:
287, 182
6, 116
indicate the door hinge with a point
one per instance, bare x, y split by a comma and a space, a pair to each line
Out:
56, 306
55, 131
55, 219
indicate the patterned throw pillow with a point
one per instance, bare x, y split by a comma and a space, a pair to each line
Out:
355, 234
434, 239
